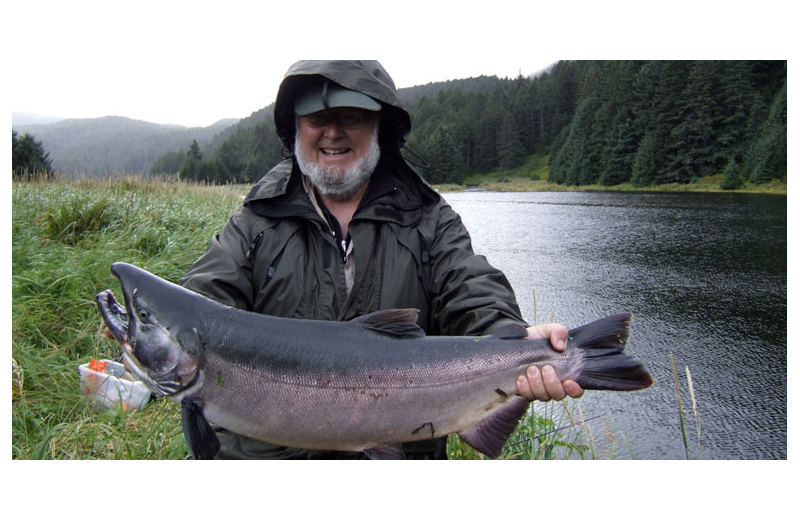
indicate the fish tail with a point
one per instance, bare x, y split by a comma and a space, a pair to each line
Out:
606, 366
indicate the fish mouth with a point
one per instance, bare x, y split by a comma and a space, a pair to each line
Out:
118, 321
114, 314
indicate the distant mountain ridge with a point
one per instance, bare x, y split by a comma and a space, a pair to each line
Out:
114, 144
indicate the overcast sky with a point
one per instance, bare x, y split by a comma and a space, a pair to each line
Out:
198, 93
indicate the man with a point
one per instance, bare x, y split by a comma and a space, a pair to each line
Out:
345, 227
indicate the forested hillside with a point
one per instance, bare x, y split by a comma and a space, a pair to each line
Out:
607, 122
112, 144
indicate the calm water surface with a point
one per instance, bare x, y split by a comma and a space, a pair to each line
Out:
703, 274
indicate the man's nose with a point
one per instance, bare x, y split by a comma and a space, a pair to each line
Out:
333, 128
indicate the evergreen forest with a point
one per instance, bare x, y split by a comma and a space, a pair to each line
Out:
599, 122
29, 159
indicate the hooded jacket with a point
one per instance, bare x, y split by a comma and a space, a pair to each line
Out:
277, 256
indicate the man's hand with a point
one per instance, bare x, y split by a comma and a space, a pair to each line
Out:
544, 385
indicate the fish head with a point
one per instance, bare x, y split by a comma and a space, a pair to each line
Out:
154, 328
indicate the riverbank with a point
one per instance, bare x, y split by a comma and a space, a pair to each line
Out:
533, 175
520, 184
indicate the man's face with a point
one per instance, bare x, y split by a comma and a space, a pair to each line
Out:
337, 137
337, 149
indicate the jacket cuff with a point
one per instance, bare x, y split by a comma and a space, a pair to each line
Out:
502, 322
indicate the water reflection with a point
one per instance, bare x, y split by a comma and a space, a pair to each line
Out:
704, 275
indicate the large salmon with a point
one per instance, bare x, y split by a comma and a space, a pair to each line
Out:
364, 385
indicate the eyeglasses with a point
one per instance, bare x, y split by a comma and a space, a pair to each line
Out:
348, 119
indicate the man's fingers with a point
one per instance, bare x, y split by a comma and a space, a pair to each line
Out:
552, 384
524, 389
573, 389
555, 332
544, 385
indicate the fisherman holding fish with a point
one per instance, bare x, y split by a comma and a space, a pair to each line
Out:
345, 227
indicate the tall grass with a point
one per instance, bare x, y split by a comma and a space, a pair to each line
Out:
65, 235
681, 415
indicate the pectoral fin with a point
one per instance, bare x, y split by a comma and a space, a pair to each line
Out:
200, 437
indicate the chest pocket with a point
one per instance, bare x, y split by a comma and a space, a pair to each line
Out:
417, 288
275, 292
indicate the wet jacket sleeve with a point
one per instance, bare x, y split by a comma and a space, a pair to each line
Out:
469, 297
223, 273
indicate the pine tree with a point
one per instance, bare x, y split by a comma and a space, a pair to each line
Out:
615, 98
561, 95
447, 165
573, 163
731, 176
644, 168
692, 142
169, 163
737, 99
29, 158
596, 111
667, 116
558, 160
190, 169
766, 158
644, 98
510, 151
620, 154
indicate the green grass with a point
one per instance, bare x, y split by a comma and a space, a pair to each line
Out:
65, 235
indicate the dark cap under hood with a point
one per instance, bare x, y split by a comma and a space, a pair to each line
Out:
365, 76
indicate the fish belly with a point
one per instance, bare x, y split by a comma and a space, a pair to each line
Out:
350, 416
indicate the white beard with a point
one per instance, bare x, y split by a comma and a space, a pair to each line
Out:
336, 181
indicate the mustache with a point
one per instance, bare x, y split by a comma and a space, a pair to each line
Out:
334, 180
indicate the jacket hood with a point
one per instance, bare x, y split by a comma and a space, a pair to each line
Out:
365, 76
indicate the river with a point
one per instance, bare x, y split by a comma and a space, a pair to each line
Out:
705, 278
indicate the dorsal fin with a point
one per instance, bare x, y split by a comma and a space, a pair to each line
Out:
398, 323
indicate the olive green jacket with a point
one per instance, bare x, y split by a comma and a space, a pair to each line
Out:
277, 255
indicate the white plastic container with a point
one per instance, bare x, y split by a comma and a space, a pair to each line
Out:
108, 390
